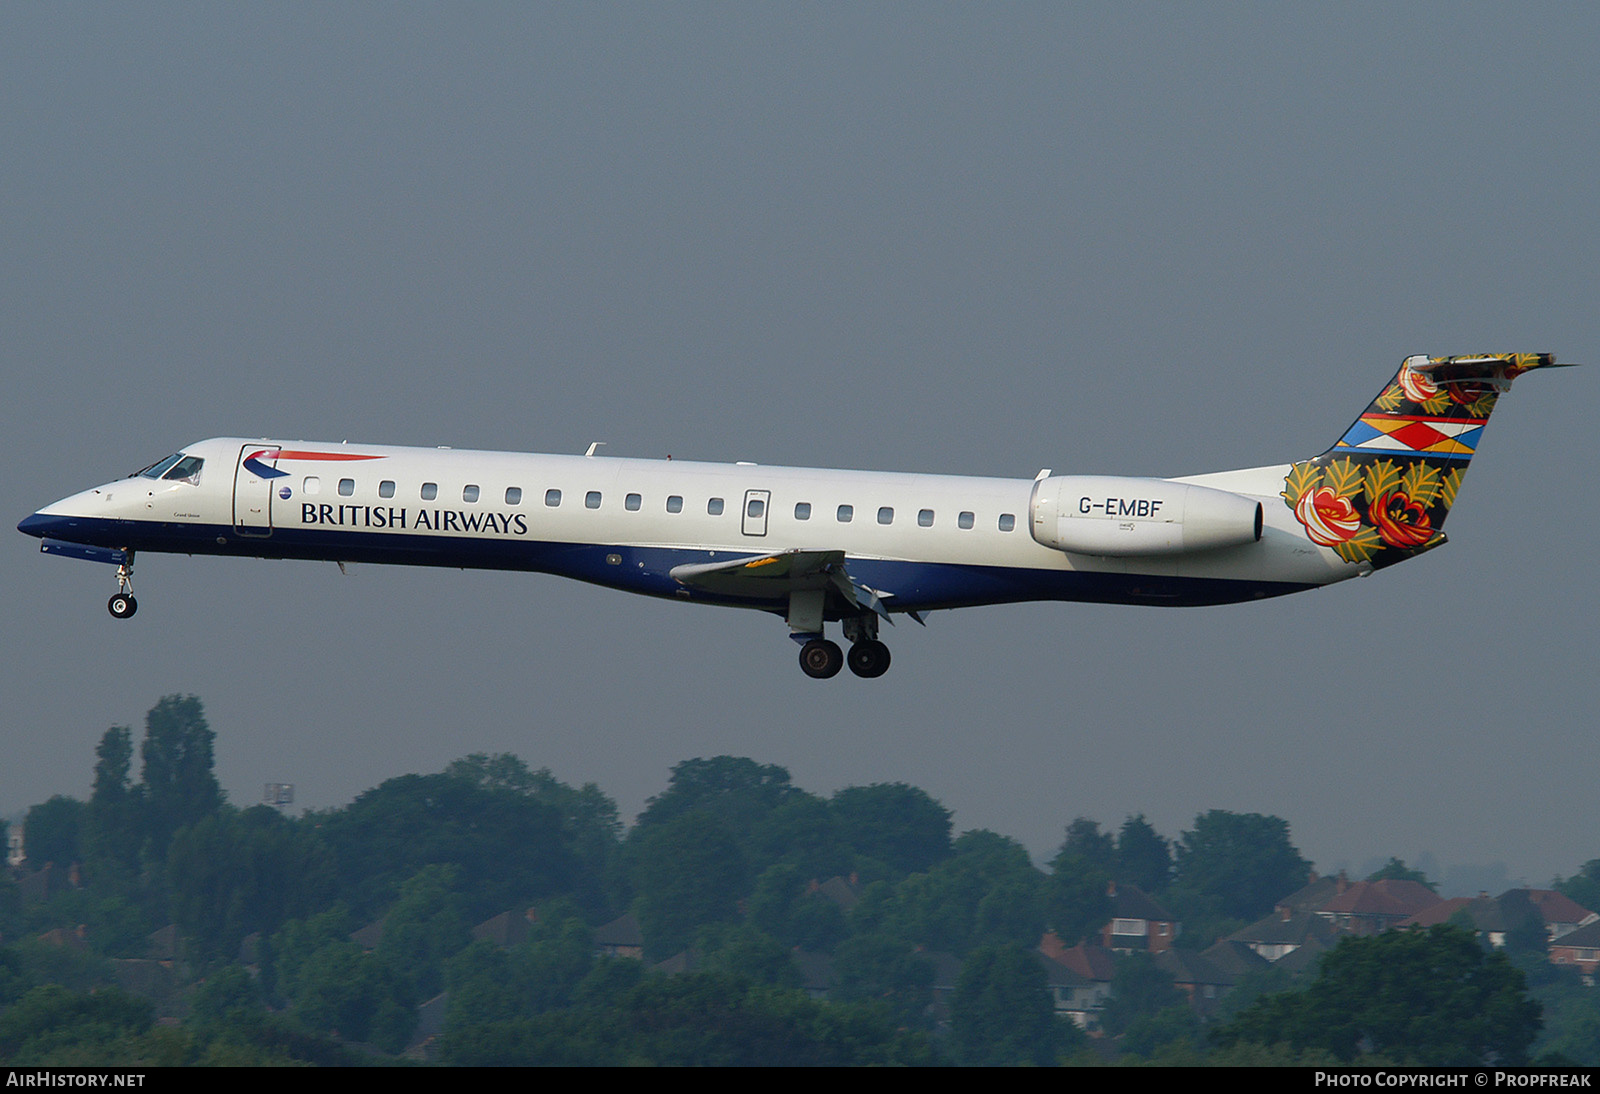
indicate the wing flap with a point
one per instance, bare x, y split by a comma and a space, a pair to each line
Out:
774, 576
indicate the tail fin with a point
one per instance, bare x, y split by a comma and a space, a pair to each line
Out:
1381, 494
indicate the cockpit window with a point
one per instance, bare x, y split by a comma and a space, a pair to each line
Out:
185, 470
159, 468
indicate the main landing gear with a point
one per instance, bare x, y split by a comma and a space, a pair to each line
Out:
868, 658
123, 604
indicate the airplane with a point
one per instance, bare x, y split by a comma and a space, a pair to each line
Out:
819, 546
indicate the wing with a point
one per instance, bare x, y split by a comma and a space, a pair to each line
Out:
775, 576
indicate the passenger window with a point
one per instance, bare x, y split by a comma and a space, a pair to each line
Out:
714, 507
591, 500
347, 487
552, 498
755, 508
925, 518
469, 493
964, 520
430, 490
386, 488
1007, 522
847, 513
802, 510
675, 504
886, 515
312, 485
513, 495
632, 502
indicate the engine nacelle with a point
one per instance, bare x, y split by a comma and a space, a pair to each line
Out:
1118, 516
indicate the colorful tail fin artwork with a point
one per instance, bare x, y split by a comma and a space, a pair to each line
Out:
1381, 493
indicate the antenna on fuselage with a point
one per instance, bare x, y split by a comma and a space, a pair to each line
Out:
594, 446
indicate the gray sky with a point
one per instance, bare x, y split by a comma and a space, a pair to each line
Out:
1126, 239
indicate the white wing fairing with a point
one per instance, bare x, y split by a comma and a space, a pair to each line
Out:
818, 546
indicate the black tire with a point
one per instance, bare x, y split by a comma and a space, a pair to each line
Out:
122, 605
869, 659
820, 659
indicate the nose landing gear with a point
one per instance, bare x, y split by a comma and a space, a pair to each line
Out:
123, 605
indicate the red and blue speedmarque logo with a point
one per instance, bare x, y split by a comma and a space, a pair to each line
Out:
254, 465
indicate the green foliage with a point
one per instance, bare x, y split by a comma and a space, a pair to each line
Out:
508, 849
52, 1024
889, 970
1078, 902
1085, 841
737, 791
697, 1019
687, 872
1431, 998
987, 891
424, 928
1144, 856
1001, 1013
232, 873
898, 825
1139, 991
113, 835
1238, 865
1584, 886
52, 832
726, 860
783, 906
179, 785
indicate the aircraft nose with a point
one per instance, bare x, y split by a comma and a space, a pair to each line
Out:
38, 525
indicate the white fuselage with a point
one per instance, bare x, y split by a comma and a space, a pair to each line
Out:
922, 541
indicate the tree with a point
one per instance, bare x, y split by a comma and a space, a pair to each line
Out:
898, 825
987, 891
424, 928
1144, 856
1239, 864
51, 832
234, 873
113, 829
735, 790
1583, 887
688, 872
1086, 841
507, 848
1139, 989
1430, 998
179, 785
1078, 902
1001, 1013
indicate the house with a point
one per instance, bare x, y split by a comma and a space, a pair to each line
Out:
1075, 995
1580, 947
1081, 996
620, 938
1370, 907
1275, 936
1138, 924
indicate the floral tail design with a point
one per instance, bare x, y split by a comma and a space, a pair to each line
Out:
1381, 493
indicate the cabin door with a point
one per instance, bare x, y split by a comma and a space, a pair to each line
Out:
253, 483
756, 503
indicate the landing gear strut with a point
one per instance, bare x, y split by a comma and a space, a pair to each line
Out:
868, 658
123, 604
